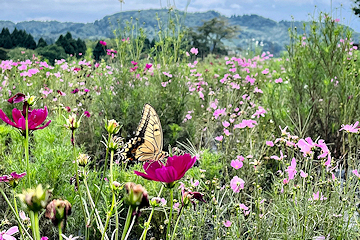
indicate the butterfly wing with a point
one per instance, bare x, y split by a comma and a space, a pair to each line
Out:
148, 141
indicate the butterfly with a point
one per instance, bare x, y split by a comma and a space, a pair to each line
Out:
147, 144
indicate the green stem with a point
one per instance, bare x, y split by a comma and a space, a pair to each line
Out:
109, 216
171, 210
16, 215
101, 180
26, 146
36, 228
177, 222
60, 231
78, 182
147, 224
127, 223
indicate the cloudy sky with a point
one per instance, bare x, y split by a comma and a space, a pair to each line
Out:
91, 10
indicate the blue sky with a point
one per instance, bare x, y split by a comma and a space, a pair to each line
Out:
91, 10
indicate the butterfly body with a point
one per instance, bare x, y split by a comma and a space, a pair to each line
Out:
148, 141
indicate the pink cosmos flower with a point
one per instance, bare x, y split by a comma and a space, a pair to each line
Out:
134, 63
174, 169
226, 132
356, 173
270, 143
46, 238
103, 43
237, 164
325, 150
317, 196
285, 181
219, 112
194, 51
303, 174
350, 128
148, 65
6, 235
306, 146
291, 170
242, 206
278, 158
240, 158
225, 124
236, 184
23, 216
36, 118
227, 223
219, 138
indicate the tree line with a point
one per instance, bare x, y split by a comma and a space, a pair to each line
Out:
64, 45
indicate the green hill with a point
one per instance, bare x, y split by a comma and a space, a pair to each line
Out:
273, 34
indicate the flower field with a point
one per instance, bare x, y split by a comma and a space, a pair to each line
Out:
173, 146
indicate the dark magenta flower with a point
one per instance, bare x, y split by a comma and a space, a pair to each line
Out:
87, 114
36, 118
134, 63
76, 90
103, 43
189, 197
174, 169
12, 179
148, 65
19, 97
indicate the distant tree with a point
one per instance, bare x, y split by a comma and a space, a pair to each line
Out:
98, 51
356, 9
18, 38
5, 39
216, 30
3, 54
52, 52
81, 47
29, 42
41, 43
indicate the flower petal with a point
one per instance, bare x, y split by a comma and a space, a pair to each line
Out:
6, 119
167, 174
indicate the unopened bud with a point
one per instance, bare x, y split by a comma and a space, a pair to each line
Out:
112, 126
83, 159
136, 195
35, 199
58, 210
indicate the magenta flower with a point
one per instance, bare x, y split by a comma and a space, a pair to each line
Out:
103, 43
13, 179
6, 235
306, 146
227, 223
19, 97
174, 169
350, 128
148, 65
291, 170
237, 164
87, 114
36, 118
134, 63
236, 184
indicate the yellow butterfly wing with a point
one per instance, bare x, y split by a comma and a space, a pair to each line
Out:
148, 141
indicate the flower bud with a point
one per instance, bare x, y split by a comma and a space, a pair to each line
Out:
58, 210
83, 159
35, 199
112, 127
115, 143
136, 195
19, 97
31, 100
72, 123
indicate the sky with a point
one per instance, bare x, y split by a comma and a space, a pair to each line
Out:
91, 10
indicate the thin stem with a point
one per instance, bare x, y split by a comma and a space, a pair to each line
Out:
129, 230
78, 182
36, 223
60, 231
101, 179
127, 223
177, 222
171, 210
16, 215
147, 224
26, 146
108, 216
